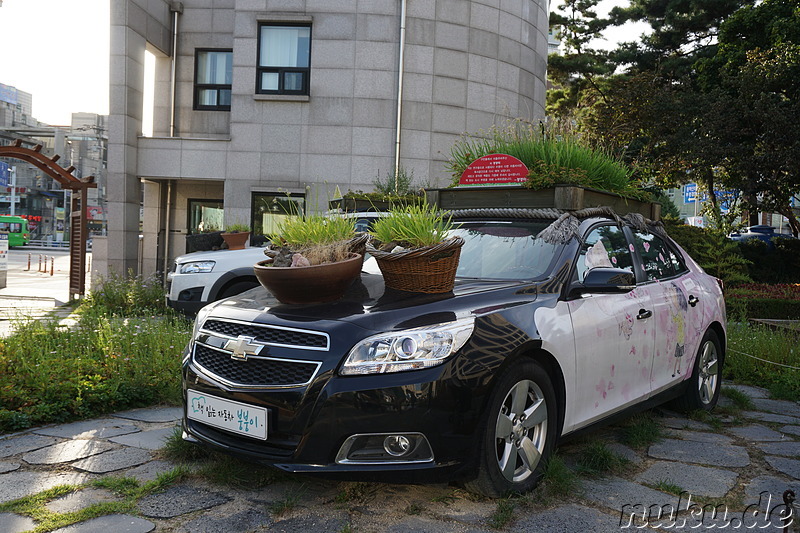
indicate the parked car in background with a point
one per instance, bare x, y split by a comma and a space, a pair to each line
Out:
762, 232
552, 326
199, 278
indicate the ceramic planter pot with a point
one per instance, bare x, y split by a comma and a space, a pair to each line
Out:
311, 284
236, 241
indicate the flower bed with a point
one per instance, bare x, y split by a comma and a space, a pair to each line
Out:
761, 300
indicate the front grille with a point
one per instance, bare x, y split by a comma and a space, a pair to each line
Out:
269, 334
255, 371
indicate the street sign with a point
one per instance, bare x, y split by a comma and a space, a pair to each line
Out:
5, 174
690, 193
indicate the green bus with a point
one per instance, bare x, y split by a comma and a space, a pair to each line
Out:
17, 228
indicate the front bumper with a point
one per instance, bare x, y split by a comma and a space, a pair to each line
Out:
308, 425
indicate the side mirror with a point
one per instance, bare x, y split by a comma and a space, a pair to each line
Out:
605, 280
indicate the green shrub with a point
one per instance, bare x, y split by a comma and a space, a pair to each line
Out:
779, 264
718, 255
50, 373
129, 295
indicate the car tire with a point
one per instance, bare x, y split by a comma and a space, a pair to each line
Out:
237, 288
518, 433
702, 390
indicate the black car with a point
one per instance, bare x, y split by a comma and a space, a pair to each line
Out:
553, 325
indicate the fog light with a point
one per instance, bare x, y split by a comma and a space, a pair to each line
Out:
397, 445
384, 448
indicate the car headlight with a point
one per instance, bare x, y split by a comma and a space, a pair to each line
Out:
196, 267
411, 349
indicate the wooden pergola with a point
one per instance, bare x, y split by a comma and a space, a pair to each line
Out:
78, 232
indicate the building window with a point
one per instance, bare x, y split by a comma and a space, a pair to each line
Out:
205, 216
270, 209
284, 59
213, 73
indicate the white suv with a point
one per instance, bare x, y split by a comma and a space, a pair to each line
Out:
200, 278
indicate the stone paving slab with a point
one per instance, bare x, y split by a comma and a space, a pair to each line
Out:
676, 422
65, 452
625, 452
757, 433
89, 429
790, 467
149, 471
568, 519
113, 460
777, 406
18, 484
113, 523
80, 499
700, 436
25, 443
700, 453
8, 466
698, 480
14, 523
792, 430
769, 486
153, 414
248, 520
179, 500
786, 448
153, 439
771, 417
614, 493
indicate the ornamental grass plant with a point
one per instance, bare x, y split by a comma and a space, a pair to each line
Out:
552, 159
412, 226
319, 238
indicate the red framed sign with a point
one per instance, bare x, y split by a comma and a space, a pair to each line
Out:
494, 169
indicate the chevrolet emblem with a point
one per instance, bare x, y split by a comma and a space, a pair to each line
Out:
242, 346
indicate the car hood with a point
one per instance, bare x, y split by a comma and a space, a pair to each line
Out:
373, 307
255, 253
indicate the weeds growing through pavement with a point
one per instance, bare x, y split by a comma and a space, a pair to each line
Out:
641, 430
597, 460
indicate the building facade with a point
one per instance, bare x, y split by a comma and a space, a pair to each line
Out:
257, 99
36, 196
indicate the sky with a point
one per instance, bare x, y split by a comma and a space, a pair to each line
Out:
57, 50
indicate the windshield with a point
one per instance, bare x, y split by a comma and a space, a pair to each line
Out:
503, 250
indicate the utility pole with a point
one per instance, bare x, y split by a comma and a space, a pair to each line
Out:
13, 190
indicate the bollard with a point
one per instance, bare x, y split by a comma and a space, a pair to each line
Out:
29, 263
40, 263
52, 264
88, 265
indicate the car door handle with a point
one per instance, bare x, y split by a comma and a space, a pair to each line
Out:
644, 313
693, 300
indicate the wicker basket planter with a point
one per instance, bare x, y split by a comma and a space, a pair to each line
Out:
311, 284
431, 269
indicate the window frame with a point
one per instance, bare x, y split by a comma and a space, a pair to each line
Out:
198, 87
282, 71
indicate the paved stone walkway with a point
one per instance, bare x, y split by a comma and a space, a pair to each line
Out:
735, 465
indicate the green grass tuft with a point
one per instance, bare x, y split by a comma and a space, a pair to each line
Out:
641, 430
503, 515
666, 486
597, 460
739, 398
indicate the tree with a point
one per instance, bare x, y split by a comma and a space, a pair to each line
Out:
580, 65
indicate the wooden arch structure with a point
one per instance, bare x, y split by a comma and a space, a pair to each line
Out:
78, 221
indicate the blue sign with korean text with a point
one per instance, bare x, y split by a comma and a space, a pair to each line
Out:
5, 174
690, 193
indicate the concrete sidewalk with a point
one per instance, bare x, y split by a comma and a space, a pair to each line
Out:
747, 467
29, 293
